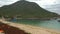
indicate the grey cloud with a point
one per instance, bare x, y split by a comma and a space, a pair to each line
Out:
53, 8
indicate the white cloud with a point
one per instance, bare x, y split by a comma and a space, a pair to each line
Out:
40, 2
2, 3
6, 2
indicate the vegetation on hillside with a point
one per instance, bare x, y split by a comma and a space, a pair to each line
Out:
25, 9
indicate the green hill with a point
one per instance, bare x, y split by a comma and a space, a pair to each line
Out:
25, 9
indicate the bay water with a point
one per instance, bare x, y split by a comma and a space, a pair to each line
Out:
51, 24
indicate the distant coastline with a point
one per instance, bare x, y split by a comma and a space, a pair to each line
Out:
39, 18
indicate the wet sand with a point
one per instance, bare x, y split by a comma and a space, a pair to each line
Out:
31, 29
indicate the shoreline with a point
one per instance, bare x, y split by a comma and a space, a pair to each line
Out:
7, 29
31, 29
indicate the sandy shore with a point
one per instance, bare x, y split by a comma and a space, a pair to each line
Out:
7, 29
31, 29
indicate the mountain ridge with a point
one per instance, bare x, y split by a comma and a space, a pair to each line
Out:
26, 9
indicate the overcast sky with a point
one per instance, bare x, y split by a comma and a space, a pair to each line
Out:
51, 5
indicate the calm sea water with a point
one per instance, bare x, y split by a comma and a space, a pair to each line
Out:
51, 24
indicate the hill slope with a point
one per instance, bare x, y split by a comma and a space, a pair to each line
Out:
25, 9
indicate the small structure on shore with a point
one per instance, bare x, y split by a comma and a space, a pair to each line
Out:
13, 19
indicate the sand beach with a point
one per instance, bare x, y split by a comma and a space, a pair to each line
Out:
31, 29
